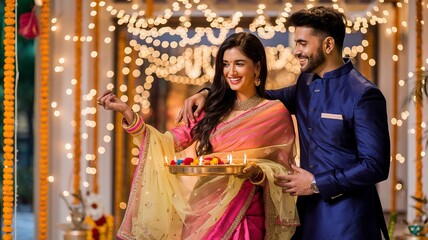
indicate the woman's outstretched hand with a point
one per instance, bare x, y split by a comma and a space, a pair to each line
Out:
109, 101
186, 113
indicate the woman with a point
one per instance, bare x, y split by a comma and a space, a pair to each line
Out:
237, 120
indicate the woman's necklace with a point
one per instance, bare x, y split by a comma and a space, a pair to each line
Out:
247, 104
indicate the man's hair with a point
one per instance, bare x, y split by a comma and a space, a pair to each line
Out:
325, 21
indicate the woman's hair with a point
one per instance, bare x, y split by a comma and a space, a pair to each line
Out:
221, 98
325, 21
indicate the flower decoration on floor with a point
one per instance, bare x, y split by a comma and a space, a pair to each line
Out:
101, 224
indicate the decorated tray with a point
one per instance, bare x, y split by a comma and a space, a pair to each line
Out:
203, 167
205, 170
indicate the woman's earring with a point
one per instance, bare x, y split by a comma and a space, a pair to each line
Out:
257, 82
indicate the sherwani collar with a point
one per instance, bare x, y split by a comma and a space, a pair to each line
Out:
336, 73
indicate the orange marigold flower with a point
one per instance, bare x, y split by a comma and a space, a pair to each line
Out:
7, 182
8, 141
8, 163
8, 148
7, 176
7, 230
9, 91
9, 48
9, 97
9, 33
8, 236
9, 21
8, 222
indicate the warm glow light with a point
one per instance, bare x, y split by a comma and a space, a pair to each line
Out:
134, 161
394, 58
122, 205
51, 178
398, 186
107, 138
101, 150
110, 74
110, 127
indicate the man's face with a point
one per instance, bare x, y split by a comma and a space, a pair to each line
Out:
308, 50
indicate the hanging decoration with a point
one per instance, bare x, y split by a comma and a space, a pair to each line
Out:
419, 113
8, 195
96, 32
77, 97
394, 132
44, 104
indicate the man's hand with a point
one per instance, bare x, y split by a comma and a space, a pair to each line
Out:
297, 184
186, 113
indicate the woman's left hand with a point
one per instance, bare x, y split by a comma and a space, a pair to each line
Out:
251, 171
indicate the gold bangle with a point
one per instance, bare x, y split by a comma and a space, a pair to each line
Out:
259, 182
136, 118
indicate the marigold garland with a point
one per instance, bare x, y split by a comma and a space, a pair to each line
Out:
44, 120
419, 113
77, 97
9, 119
96, 82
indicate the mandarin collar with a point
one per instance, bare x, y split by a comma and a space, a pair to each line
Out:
336, 73
344, 69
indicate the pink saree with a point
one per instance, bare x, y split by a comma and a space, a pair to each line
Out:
219, 207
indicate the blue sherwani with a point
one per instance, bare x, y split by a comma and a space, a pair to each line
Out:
344, 142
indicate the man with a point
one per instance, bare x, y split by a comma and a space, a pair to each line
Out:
343, 134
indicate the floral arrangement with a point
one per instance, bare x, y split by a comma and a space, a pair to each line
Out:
196, 161
100, 224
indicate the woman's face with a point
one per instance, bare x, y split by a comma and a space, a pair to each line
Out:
240, 73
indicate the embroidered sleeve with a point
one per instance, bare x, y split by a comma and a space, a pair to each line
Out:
183, 137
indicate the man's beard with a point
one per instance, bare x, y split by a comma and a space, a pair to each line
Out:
314, 61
